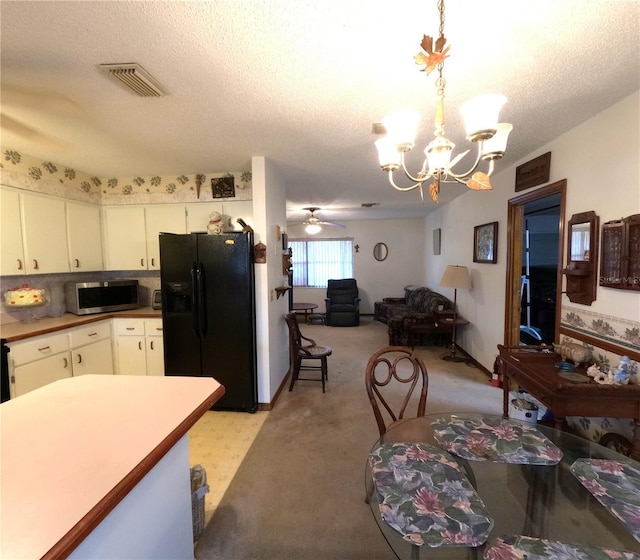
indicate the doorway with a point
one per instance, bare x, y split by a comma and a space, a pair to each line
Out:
534, 259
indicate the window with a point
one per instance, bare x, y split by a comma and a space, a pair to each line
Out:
318, 260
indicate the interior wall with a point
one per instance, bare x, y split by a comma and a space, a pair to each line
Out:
600, 160
376, 279
272, 335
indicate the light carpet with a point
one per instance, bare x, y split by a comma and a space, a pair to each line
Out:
299, 492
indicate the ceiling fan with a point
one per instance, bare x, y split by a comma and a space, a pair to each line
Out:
313, 224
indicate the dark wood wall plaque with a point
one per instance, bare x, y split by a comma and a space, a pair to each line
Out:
620, 261
534, 172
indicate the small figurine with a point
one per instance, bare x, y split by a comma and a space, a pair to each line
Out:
634, 373
594, 371
214, 226
578, 353
621, 373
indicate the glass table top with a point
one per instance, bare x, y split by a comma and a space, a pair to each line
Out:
543, 501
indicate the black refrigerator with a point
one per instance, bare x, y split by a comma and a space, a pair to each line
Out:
208, 312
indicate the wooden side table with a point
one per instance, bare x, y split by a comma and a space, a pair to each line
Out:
533, 369
446, 324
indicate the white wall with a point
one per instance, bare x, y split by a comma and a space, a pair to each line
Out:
269, 198
600, 160
376, 279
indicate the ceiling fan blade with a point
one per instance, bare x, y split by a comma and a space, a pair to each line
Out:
332, 224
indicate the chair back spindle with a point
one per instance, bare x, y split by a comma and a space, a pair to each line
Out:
396, 378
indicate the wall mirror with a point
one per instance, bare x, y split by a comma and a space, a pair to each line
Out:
582, 257
580, 241
380, 251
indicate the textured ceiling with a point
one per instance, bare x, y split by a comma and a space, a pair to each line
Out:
301, 82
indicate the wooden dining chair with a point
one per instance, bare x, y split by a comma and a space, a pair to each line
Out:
303, 349
397, 381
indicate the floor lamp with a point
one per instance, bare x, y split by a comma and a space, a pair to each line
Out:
456, 277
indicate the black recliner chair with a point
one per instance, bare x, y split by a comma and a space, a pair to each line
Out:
343, 303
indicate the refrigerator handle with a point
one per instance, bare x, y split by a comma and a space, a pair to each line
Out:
194, 299
201, 303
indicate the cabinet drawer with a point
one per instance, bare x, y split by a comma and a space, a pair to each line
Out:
126, 327
153, 327
91, 333
38, 347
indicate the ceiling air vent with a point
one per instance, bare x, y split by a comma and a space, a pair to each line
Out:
135, 78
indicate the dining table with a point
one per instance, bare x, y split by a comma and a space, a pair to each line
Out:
463, 485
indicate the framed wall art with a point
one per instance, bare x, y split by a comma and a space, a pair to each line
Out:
485, 243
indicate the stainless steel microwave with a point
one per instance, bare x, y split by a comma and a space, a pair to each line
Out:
101, 297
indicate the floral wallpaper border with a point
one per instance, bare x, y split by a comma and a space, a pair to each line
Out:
33, 174
615, 330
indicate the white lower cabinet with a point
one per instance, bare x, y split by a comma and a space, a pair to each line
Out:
36, 374
139, 346
40, 360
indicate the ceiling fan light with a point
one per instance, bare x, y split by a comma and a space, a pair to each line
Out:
480, 115
402, 127
388, 154
496, 146
312, 229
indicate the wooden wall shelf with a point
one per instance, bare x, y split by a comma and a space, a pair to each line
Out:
281, 290
582, 256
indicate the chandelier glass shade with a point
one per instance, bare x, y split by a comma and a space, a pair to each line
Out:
481, 123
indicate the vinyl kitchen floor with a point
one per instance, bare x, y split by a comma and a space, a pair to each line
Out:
218, 442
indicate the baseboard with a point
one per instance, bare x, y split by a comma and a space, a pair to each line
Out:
266, 407
474, 362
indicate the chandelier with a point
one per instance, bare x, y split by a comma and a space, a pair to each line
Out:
481, 122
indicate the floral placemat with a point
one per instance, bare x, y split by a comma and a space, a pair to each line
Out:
495, 439
519, 547
616, 485
426, 498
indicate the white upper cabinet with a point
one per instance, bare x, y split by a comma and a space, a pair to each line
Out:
85, 237
44, 234
125, 238
239, 209
198, 215
11, 250
166, 219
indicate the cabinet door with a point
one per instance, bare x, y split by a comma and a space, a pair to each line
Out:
11, 251
234, 210
96, 358
84, 232
198, 215
39, 373
132, 355
155, 356
167, 219
45, 234
125, 238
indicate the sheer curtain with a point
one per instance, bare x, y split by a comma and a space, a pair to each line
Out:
316, 261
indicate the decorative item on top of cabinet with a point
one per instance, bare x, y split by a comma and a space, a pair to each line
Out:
620, 261
582, 257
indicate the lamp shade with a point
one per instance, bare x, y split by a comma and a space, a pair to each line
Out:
456, 277
480, 115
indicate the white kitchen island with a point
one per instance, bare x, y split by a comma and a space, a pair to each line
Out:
98, 467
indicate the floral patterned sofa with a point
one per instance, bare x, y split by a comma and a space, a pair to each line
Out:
419, 305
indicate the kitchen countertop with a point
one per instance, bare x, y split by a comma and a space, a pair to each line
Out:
73, 449
13, 332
